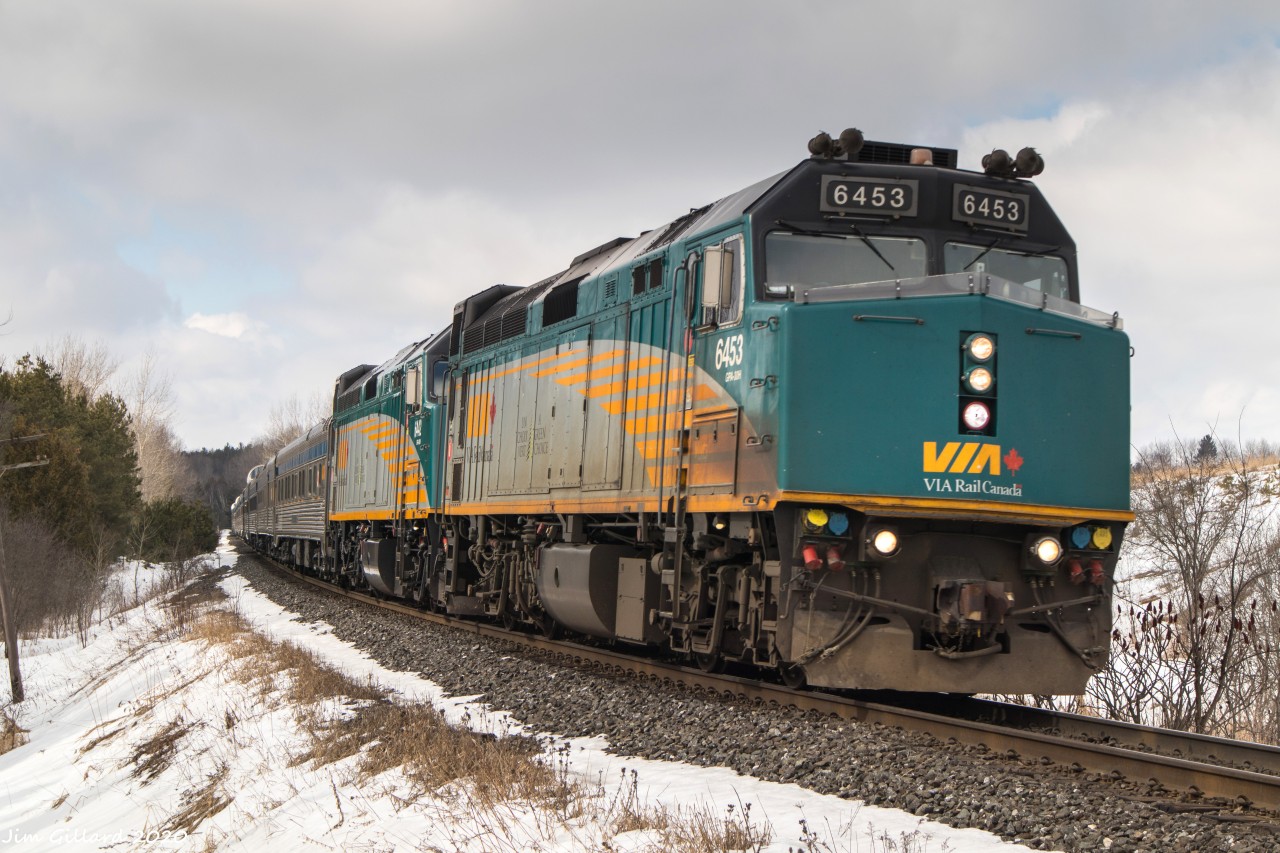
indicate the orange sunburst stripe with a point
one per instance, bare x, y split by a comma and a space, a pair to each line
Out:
649, 423
654, 400
652, 448
598, 373
636, 382
655, 470
585, 360
653, 423
523, 366
612, 370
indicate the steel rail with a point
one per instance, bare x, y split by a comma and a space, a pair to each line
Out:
1180, 744
1199, 779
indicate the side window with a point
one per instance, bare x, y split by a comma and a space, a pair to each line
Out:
722, 274
439, 375
646, 276
731, 302
655, 273
412, 386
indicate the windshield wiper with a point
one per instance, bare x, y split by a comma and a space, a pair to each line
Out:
982, 254
808, 232
871, 246
854, 228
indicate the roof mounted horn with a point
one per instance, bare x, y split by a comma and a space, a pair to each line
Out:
847, 145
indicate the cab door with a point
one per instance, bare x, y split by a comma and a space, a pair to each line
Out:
413, 495
713, 409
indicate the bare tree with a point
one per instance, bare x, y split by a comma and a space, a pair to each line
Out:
1195, 642
149, 395
86, 368
291, 418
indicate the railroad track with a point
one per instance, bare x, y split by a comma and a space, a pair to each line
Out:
1224, 779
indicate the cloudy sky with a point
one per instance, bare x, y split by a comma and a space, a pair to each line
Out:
268, 192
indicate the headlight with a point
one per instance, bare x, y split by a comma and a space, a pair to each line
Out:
976, 416
1047, 549
980, 347
885, 542
978, 380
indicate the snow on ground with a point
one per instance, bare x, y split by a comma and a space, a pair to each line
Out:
137, 735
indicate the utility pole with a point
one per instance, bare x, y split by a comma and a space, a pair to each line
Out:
11, 627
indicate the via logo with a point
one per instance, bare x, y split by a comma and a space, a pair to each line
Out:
969, 457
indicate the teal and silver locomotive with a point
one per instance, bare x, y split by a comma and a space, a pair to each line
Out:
851, 424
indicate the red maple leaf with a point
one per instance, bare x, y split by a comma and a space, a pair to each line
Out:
1013, 461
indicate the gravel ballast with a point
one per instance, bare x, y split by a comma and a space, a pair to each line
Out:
1041, 807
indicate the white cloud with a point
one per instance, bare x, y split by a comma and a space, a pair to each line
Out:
234, 325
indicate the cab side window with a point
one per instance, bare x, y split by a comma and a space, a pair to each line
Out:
722, 276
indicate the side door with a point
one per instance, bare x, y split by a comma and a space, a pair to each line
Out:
714, 414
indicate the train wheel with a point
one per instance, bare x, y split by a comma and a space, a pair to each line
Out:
709, 662
549, 627
793, 676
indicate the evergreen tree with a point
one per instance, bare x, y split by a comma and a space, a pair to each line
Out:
171, 529
89, 489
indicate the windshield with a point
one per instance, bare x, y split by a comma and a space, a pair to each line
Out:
1039, 272
803, 261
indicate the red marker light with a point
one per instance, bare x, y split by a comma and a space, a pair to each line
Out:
811, 560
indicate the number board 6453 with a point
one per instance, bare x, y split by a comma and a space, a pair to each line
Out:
887, 197
982, 206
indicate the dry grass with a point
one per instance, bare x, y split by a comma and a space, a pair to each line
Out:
100, 739
626, 812
695, 828
359, 723
345, 718
202, 803
154, 755
12, 735
701, 829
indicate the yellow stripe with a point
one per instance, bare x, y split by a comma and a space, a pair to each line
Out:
519, 367
568, 365
377, 515
598, 373
635, 382
943, 507
983, 510
697, 503
478, 414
